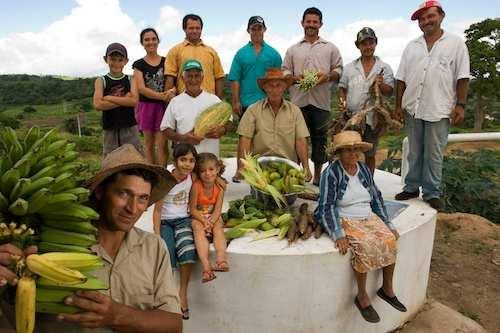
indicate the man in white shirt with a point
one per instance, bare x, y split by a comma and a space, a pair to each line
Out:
180, 116
432, 84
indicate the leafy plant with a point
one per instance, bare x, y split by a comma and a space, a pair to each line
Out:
7, 121
392, 163
29, 109
471, 183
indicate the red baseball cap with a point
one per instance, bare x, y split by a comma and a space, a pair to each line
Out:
425, 5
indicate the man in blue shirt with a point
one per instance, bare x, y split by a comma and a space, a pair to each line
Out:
249, 63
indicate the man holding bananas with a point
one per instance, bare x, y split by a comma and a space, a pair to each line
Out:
141, 294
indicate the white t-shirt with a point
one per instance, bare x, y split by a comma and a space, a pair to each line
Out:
431, 77
175, 203
181, 114
355, 203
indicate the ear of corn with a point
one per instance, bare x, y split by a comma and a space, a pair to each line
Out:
216, 115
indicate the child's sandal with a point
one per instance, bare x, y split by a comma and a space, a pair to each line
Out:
185, 313
207, 276
221, 266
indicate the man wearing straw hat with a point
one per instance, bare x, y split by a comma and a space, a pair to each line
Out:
274, 126
142, 296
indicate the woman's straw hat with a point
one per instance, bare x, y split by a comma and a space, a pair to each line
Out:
348, 139
127, 157
275, 74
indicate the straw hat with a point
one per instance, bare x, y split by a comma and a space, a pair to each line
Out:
275, 74
348, 139
127, 157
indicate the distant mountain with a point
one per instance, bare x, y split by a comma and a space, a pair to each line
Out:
32, 89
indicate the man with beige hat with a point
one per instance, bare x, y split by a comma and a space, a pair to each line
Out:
142, 295
273, 125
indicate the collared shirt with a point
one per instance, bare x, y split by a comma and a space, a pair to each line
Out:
332, 187
248, 66
273, 133
206, 55
139, 276
181, 116
431, 76
321, 56
358, 85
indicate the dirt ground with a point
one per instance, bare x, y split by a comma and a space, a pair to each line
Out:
465, 267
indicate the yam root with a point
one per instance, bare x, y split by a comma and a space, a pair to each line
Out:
318, 231
308, 232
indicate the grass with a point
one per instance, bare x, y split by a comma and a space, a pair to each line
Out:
472, 316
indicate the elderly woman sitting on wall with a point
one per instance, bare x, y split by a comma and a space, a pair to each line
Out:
353, 213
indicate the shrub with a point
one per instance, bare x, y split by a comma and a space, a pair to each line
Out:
392, 163
29, 109
471, 183
91, 144
7, 121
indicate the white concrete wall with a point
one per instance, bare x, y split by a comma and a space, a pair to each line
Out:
309, 287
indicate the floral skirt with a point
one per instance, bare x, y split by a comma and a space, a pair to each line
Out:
372, 243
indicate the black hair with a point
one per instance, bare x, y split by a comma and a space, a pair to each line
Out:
144, 31
193, 17
205, 157
313, 11
182, 149
147, 175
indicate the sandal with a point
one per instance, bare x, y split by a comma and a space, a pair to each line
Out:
207, 276
236, 179
185, 313
221, 266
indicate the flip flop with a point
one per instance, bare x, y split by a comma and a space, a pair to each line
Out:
236, 179
185, 313
207, 276
393, 301
221, 266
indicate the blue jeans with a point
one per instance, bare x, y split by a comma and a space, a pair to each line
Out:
427, 141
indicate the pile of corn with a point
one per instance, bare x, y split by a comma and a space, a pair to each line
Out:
254, 175
215, 115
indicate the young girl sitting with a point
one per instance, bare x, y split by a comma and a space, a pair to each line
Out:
205, 206
172, 221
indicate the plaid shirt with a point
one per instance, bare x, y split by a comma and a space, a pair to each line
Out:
332, 187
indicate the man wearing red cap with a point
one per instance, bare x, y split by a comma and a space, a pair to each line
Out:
432, 84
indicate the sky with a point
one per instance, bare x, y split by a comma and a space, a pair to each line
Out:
69, 37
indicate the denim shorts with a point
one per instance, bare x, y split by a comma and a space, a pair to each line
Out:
178, 235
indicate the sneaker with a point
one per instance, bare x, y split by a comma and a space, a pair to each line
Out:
406, 195
435, 203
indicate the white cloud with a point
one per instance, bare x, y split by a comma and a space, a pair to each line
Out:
75, 44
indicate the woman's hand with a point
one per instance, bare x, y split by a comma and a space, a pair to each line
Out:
342, 245
395, 233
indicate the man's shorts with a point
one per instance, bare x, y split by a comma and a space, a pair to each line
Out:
149, 116
178, 235
118, 137
371, 137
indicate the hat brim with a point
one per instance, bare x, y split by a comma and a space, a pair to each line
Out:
363, 146
419, 11
287, 79
165, 179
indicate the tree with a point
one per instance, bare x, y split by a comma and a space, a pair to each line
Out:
482, 39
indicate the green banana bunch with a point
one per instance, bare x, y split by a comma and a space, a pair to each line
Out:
19, 207
80, 227
79, 261
53, 235
55, 308
45, 247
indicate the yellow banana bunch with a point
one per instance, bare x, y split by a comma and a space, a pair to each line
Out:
25, 305
79, 261
53, 271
